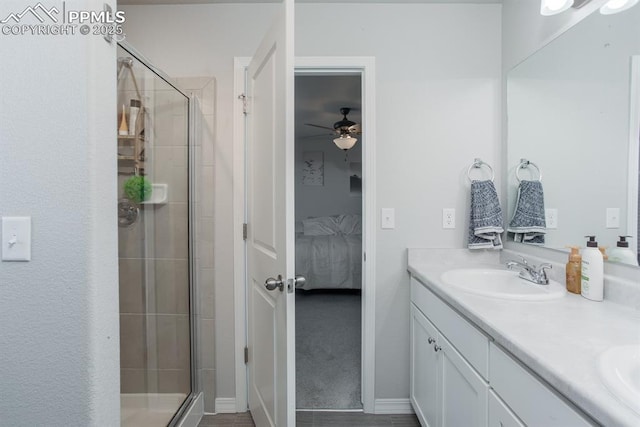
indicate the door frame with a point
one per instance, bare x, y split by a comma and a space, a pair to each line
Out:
634, 150
365, 67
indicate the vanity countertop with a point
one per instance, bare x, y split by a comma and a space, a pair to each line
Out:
560, 340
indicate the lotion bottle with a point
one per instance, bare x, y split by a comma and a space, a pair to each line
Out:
123, 130
622, 253
574, 270
592, 283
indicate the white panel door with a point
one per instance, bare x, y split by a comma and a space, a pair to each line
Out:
271, 328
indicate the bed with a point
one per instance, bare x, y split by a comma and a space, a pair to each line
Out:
329, 252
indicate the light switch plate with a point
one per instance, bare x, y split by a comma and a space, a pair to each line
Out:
16, 238
387, 218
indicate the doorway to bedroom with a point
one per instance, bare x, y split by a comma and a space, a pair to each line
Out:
328, 245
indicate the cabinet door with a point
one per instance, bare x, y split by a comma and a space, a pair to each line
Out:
464, 392
424, 369
500, 415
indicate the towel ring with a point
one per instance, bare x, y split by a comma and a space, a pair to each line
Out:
524, 163
477, 163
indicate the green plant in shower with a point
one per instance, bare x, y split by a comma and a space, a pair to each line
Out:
138, 189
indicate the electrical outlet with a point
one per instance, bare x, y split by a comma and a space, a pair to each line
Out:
613, 217
551, 218
448, 218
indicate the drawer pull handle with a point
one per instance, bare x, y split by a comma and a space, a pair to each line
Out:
436, 348
431, 340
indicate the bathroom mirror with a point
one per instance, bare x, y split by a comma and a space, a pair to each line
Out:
574, 110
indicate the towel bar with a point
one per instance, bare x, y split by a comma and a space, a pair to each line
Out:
478, 163
524, 163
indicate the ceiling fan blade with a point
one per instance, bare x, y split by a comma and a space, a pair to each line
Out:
321, 127
321, 135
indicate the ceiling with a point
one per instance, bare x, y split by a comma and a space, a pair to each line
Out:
318, 100
125, 2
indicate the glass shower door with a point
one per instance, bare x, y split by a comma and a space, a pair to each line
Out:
154, 258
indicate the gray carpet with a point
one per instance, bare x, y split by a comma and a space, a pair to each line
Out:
328, 348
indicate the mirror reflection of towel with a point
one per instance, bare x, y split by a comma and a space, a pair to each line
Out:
485, 224
528, 222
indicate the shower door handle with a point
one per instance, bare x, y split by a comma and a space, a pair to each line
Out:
271, 283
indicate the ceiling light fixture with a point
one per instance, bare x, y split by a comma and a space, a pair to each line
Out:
615, 6
345, 142
553, 7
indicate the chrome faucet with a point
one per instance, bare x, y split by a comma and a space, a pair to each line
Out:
530, 272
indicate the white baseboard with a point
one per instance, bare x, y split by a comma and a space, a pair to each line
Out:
226, 405
392, 406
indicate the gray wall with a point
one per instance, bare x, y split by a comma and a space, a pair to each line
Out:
437, 96
59, 312
438, 107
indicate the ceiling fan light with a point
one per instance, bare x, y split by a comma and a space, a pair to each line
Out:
553, 7
616, 6
345, 142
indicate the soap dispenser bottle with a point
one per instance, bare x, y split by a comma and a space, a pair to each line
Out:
592, 283
622, 253
574, 270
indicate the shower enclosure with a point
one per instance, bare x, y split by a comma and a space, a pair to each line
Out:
155, 244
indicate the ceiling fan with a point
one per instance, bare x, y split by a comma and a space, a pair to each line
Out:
345, 130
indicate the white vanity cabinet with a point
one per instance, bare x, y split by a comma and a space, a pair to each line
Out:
533, 402
499, 413
459, 377
446, 390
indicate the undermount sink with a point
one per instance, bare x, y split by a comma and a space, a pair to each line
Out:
503, 284
619, 369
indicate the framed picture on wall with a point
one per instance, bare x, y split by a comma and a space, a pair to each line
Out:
313, 168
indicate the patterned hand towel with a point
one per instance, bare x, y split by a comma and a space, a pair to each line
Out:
485, 224
528, 223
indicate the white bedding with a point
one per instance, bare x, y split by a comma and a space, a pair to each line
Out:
329, 252
329, 261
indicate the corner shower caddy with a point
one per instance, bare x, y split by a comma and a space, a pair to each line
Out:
134, 143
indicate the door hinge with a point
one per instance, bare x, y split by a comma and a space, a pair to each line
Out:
243, 98
364, 256
246, 355
245, 227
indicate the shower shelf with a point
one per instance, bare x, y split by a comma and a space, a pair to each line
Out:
136, 145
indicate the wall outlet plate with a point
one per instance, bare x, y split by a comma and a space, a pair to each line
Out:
448, 218
551, 218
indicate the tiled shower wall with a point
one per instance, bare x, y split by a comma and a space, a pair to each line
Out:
154, 354
154, 320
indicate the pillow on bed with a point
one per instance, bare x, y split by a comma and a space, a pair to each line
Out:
349, 224
321, 226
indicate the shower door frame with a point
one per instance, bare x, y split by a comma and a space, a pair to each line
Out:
191, 162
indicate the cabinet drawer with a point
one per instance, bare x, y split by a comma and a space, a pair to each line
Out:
500, 415
466, 338
535, 404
